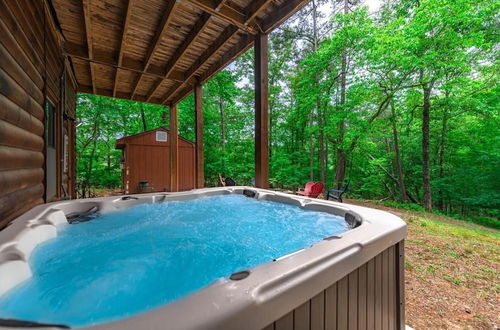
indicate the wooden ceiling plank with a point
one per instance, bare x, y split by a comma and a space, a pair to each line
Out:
87, 17
225, 13
181, 50
128, 14
281, 14
228, 57
252, 10
129, 65
107, 59
198, 28
160, 31
228, 33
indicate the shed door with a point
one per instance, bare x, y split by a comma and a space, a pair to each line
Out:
50, 152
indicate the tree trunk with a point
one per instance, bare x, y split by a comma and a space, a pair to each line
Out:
399, 165
321, 122
222, 133
426, 176
143, 117
164, 117
311, 148
340, 168
410, 196
442, 151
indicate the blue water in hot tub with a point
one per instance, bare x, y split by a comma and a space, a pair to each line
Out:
131, 261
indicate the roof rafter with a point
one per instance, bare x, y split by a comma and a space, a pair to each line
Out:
226, 13
160, 31
251, 12
87, 17
239, 49
181, 50
107, 59
228, 33
126, 23
281, 14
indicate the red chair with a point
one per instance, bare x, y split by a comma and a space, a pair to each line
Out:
311, 190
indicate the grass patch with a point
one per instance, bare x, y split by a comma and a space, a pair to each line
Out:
486, 221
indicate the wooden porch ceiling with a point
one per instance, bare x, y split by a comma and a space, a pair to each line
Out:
157, 50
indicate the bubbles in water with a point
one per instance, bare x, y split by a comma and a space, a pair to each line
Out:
134, 260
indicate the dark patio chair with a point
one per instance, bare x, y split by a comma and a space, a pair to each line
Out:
337, 194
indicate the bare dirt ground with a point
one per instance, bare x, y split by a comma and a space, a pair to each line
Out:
452, 272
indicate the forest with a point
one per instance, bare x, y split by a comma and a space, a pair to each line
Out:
401, 100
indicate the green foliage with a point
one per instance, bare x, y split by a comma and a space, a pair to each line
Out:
348, 93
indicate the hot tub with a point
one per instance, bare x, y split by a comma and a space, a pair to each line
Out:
353, 279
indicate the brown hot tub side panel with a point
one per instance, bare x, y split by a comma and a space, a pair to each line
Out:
370, 297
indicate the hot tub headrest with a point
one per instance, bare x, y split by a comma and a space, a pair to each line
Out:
352, 220
249, 193
77, 217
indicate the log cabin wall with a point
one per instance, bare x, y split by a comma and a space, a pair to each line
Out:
32, 71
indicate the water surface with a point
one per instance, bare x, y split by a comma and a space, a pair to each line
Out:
134, 260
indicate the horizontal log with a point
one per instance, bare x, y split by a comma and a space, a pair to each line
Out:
14, 114
14, 136
16, 94
12, 25
14, 158
5, 222
9, 65
31, 204
13, 180
8, 40
13, 204
21, 14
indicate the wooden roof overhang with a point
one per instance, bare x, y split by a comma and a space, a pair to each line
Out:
156, 51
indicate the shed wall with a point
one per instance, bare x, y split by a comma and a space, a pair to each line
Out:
31, 68
370, 297
149, 160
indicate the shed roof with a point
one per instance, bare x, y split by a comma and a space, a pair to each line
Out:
155, 50
120, 143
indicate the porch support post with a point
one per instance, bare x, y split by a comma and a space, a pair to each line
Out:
261, 111
174, 149
198, 105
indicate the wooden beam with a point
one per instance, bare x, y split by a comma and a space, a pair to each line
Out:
104, 92
160, 31
128, 14
251, 12
198, 106
181, 50
226, 13
87, 17
261, 111
108, 59
228, 33
243, 45
174, 148
254, 9
128, 65
281, 14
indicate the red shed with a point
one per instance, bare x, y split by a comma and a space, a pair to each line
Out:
146, 162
